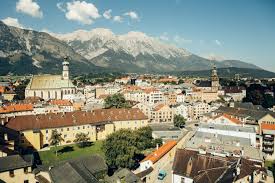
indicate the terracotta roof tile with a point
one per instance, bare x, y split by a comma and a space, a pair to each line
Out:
234, 120
16, 108
159, 153
61, 102
30, 122
265, 126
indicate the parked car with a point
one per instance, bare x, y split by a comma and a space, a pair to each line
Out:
161, 174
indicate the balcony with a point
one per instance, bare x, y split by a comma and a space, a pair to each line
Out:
268, 143
268, 150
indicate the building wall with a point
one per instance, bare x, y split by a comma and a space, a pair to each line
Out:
95, 132
181, 179
19, 176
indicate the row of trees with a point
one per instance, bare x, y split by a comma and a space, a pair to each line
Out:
124, 148
80, 138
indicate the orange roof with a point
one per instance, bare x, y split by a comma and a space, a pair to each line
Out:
159, 153
168, 80
234, 120
103, 96
132, 88
61, 102
265, 126
149, 90
2, 89
159, 106
16, 108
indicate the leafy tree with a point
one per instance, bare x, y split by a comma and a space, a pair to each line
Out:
268, 101
123, 148
120, 149
180, 81
158, 141
144, 138
82, 139
116, 101
56, 139
179, 121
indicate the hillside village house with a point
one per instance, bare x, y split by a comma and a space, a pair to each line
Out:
36, 130
51, 86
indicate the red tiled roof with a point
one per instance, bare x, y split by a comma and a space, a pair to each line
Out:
159, 106
159, 153
265, 126
61, 102
16, 108
234, 120
30, 122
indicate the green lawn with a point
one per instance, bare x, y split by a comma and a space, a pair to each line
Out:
69, 152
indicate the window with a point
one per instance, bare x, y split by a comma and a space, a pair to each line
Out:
11, 173
83, 127
46, 131
65, 136
68, 129
61, 129
26, 170
78, 128
26, 181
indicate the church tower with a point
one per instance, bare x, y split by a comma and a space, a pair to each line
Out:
65, 72
214, 80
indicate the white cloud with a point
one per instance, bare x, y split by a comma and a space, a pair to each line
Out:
164, 36
118, 19
178, 39
218, 42
61, 7
107, 14
29, 7
82, 12
133, 15
12, 22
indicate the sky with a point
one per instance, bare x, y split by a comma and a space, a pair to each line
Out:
216, 29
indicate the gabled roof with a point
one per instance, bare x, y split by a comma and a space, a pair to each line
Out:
16, 108
232, 119
14, 162
81, 170
159, 153
42, 121
49, 82
60, 102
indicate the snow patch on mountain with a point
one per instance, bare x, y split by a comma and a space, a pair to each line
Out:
97, 41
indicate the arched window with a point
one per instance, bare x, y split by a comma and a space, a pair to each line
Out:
55, 95
34, 94
69, 91
49, 95
41, 94
65, 92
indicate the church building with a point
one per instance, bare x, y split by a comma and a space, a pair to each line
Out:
51, 86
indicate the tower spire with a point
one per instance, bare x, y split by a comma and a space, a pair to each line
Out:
65, 72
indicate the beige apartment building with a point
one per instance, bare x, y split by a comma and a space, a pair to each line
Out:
36, 130
162, 113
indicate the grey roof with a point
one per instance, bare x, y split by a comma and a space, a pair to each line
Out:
203, 83
223, 144
14, 162
49, 82
123, 175
228, 127
162, 127
252, 113
79, 170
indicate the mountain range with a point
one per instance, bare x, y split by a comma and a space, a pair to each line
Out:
28, 51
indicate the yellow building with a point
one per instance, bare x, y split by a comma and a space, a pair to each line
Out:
36, 130
16, 168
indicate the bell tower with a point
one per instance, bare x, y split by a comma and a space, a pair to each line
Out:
214, 80
65, 72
